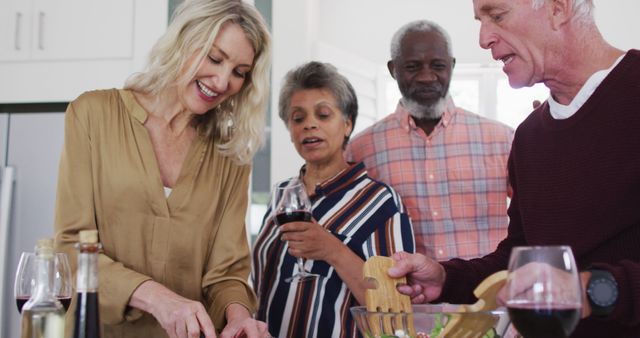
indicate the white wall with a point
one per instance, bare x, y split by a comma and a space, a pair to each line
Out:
363, 28
369, 32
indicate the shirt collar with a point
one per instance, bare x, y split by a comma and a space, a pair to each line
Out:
560, 111
408, 123
337, 181
133, 107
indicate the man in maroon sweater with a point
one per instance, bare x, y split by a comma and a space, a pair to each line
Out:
574, 164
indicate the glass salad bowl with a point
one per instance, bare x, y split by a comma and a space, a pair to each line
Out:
431, 320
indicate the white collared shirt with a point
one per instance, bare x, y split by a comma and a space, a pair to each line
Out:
560, 111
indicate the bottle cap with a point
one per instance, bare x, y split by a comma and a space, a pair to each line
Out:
89, 236
44, 247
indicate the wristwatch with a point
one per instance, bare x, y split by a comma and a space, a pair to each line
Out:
602, 292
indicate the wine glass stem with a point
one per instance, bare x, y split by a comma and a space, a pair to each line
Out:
300, 262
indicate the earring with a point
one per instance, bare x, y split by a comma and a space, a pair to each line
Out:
230, 123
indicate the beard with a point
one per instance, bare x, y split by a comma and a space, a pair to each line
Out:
421, 111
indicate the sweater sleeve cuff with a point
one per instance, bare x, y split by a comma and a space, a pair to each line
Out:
456, 288
115, 293
222, 294
448, 284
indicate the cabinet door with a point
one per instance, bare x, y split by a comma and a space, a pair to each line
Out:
35, 143
15, 29
82, 29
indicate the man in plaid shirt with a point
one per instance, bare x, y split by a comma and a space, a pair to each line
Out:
449, 165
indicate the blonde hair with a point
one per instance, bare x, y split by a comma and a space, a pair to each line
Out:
237, 124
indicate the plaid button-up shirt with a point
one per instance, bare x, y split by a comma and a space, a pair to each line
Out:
453, 182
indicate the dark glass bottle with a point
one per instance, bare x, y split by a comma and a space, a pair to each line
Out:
43, 314
87, 317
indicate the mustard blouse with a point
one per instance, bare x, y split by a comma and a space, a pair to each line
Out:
193, 242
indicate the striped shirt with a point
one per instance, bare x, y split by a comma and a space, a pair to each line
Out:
453, 182
368, 216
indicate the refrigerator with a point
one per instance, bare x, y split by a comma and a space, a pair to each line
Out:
31, 139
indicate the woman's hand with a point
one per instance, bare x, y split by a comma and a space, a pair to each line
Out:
240, 324
310, 240
180, 317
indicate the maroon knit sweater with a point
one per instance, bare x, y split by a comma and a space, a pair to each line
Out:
576, 182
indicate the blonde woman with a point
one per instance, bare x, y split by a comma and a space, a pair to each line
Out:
161, 169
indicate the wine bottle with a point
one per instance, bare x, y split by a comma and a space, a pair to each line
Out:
43, 314
87, 317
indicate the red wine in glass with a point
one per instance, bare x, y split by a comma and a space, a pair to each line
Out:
25, 279
553, 322
21, 300
293, 216
290, 203
544, 296
66, 302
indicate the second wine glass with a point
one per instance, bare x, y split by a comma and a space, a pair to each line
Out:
544, 295
290, 203
26, 279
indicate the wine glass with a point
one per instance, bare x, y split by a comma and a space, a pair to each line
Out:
290, 203
544, 295
25, 281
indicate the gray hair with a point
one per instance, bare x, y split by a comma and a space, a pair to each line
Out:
417, 26
582, 9
318, 75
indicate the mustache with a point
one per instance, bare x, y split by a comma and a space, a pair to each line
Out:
436, 87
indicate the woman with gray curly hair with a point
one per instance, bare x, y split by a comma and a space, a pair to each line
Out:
354, 217
161, 170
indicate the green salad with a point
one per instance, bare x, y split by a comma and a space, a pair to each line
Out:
435, 332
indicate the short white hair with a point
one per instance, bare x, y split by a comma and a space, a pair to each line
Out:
417, 26
582, 9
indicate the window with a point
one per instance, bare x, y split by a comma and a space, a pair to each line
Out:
483, 90
514, 105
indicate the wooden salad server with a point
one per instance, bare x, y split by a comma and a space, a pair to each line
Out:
476, 325
385, 298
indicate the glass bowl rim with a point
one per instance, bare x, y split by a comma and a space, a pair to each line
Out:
441, 308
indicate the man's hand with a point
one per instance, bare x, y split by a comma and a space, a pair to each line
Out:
524, 278
586, 306
425, 277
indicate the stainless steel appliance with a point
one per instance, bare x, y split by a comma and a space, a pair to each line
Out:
31, 137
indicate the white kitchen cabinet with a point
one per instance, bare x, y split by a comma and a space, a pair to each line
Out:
15, 29
53, 50
66, 29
